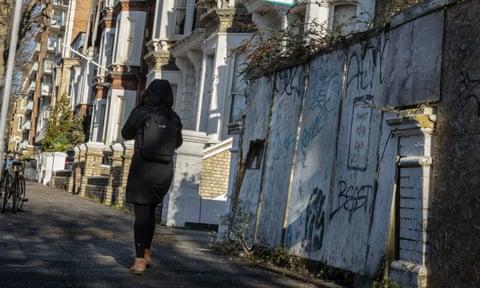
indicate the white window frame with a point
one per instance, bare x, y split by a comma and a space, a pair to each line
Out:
188, 12
19, 122
179, 10
348, 25
237, 78
120, 116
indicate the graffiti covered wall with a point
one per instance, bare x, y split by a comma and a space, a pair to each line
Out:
315, 191
341, 134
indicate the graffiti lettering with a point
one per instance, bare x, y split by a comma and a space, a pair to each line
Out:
323, 94
469, 89
282, 146
287, 81
315, 222
286, 112
352, 198
363, 64
324, 89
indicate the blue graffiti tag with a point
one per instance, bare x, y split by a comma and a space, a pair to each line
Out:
324, 88
288, 81
282, 146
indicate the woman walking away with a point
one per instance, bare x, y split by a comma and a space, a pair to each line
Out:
149, 180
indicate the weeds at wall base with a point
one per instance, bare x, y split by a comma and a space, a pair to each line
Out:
278, 257
388, 283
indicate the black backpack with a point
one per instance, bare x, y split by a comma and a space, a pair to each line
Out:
159, 138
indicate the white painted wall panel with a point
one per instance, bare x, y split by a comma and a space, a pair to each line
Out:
354, 192
249, 197
382, 209
287, 103
258, 101
308, 206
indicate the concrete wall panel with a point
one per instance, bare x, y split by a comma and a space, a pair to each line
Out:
454, 255
414, 61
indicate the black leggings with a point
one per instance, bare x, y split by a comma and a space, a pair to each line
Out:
144, 227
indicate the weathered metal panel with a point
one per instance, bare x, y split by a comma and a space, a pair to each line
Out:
377, 248
414, 62
246, 207
257, 105
287, 103
354, 186
258, 102
308, 205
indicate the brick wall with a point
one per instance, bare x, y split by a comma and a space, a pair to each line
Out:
215, 171
411, 214
81, 17
115, 180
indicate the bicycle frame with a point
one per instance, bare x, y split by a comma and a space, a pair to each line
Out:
5, 182
12, 185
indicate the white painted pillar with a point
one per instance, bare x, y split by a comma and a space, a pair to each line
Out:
414, 160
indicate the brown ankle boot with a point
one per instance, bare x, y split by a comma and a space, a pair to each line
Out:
148, 257
139, 266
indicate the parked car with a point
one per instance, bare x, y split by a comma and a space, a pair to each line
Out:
69, 159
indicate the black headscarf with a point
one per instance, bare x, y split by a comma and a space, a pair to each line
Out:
158, 93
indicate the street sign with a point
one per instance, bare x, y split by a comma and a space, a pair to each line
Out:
283, 2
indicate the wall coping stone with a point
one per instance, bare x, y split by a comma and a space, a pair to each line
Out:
419, 10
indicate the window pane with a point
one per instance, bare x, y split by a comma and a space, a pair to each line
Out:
180, 13
20, 122
238, 89
344, 17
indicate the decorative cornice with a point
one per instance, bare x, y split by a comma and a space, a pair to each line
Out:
225, 20
160, 60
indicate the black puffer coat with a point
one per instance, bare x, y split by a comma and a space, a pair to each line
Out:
148, 181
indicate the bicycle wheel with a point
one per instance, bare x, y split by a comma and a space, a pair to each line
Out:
2, 193
20, 193
14, 193
5, 188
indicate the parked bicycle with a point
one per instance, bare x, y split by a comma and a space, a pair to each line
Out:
12, 183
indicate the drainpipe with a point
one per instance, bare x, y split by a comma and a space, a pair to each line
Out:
9, 73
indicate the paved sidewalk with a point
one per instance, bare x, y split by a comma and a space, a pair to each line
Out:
63, 240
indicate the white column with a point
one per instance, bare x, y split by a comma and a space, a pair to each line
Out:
415, 141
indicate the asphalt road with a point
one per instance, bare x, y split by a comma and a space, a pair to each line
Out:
63, 240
